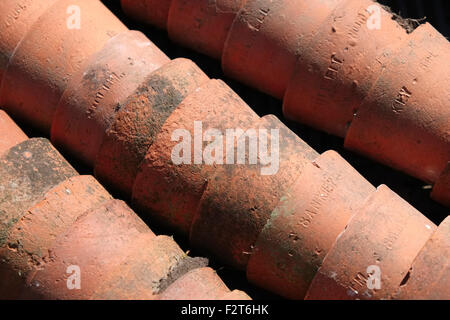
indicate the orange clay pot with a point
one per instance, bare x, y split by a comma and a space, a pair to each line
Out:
96, 92
210, 289
182, 288
84, 245
16, 18
335, 69
338, 67
305, 224
236, 204
27, 171
157, 10
429, 275
31, 237
202, 24
239, 200
67, 226
172, 192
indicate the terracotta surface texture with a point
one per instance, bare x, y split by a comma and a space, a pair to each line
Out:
56, 225
299, 223
342, 66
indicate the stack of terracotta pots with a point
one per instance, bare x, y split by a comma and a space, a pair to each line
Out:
342, 66
313, 228
55, 222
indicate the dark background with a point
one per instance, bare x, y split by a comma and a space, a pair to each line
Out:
437, 12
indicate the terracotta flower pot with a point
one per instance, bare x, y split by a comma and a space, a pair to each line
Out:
11, 134
248, 219
428, 277
379, 243
171, 191
201, 24
302, 229
342, 66
140, 119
